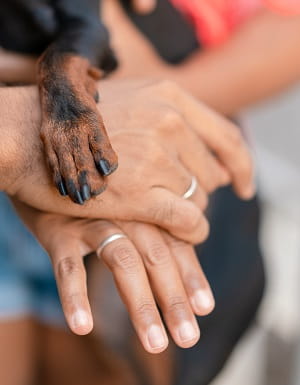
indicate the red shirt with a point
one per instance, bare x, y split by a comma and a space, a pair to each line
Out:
215, 20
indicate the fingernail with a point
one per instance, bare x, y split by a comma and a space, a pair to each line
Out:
85, 192
156, 337
62, 189
78, 198
203, 300
104, 167
187, 331
80, 319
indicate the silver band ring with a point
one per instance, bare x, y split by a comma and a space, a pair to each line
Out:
107, 241
192, 189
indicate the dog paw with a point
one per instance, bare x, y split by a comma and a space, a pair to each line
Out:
78, 152
77, 147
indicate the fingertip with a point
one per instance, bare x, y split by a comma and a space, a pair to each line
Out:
81, 322
144, 6
203, 302
157, 340
188, 334
225, 177
248, 192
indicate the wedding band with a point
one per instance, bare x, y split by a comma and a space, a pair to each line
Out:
192, 189
107, 241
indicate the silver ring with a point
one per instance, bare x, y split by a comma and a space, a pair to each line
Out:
192, 189
107, 241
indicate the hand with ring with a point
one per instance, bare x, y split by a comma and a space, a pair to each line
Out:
163, 136
150, 267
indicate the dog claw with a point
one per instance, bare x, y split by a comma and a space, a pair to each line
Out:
78, 198
104, 167
85, 192
62, 188
97, 97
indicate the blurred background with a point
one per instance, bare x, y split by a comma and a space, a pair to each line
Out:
270, 352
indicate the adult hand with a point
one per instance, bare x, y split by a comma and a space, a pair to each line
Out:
150, 268
157, 130
128, 41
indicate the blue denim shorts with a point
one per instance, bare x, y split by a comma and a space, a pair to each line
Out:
27, 285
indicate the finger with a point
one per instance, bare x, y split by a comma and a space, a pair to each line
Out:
193, 277
202, 163
198, 160
178, 179
235, 156
166, 283
143, 6
159, 167
181, 217
131, 279
225, 139
199, 197
70, 276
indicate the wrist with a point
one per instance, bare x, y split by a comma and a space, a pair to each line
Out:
19, 127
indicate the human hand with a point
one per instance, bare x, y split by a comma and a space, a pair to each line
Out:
150, 269
157, 130
129, 41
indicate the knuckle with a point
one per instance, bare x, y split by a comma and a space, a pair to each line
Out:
177, 304
177, 244
168, 87
73, 297
171, 120
123, 258
190, 220
67, 267
157, 254
164, 213
146, 309
152, 151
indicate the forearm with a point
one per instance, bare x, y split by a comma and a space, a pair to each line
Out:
19, 127
261, 59
17, 68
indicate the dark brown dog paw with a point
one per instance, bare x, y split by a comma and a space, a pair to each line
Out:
77, 146
79, 153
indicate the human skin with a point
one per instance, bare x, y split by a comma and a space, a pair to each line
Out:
150, 268
259, 60
18, 345
151, 125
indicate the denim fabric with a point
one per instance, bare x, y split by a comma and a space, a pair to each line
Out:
27, 285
